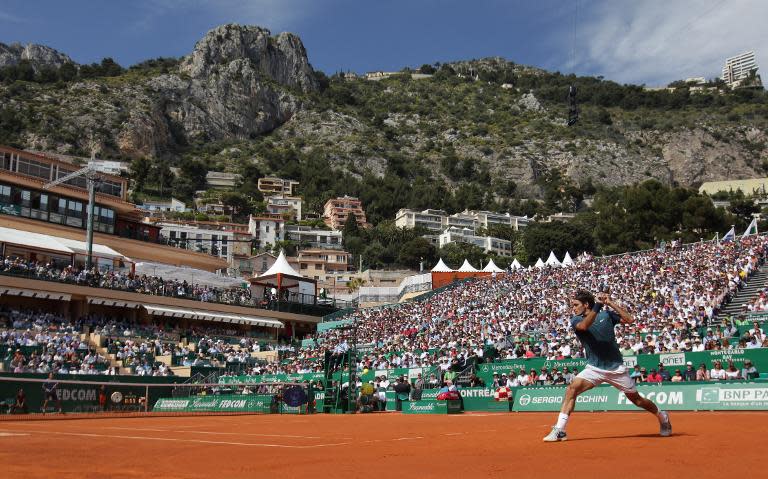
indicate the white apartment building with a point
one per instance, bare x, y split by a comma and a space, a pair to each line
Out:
489, 244
429, 219
315, 238
266, 231
163, 206
438, 220
281, 204
204, 238
277, 186
221, 181
737, 68
487, 218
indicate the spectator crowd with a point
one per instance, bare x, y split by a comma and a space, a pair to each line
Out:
125, 281
673, 294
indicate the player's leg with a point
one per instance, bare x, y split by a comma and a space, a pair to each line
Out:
663, 416
626, 384
577, 387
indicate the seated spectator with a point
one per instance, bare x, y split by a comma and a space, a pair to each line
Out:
749, 371
717, 373
665, 376
654, 377
677, 377
689, 374
732, 372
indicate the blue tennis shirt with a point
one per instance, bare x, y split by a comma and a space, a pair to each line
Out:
599, 341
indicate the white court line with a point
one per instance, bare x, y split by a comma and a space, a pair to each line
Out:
8, 434
166, 439
214, 432
453, 434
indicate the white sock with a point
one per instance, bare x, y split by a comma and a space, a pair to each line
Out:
660, 416
562, 421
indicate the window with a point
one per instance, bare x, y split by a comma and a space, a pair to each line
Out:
5, 193
34, 168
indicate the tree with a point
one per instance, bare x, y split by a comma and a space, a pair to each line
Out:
163, 176
541, 238
454, 254
139, 170
354, 284
195, 171
183, 188
350, 229
413, 252
743, 208
238, 203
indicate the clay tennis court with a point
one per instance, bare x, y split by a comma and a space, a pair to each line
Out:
704, 444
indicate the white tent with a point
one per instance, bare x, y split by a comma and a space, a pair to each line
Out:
552, 260
283, 277
567, 260
492, 268
467, 268
516, 264
280, 266
441, 267
539, 263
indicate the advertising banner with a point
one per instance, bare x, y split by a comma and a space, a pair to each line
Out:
673, 397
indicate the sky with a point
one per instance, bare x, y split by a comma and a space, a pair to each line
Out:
651, 42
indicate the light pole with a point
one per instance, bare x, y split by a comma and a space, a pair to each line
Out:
91, 177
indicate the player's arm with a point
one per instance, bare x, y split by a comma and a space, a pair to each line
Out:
589, 318
626, 318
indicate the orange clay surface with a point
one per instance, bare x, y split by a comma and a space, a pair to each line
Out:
609, 445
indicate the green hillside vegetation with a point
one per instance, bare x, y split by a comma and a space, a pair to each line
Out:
404, 121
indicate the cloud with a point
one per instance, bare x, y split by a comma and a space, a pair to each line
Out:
7, 17
659, 41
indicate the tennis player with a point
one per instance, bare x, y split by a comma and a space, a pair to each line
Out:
594, 328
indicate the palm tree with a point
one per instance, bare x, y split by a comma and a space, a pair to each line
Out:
354, 284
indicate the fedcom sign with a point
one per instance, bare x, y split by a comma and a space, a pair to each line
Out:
659, 397
78, 395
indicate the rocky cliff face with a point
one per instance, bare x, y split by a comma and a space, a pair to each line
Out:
227, 89
38, 55
239, 82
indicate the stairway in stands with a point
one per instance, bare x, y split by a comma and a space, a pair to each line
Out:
746, 295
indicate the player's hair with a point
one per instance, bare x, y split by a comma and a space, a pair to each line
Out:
585, 296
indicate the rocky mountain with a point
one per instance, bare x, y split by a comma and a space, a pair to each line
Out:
38, 55
245, 96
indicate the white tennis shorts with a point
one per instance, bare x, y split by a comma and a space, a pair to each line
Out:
618, 378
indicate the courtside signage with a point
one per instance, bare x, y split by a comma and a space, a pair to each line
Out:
679, 397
